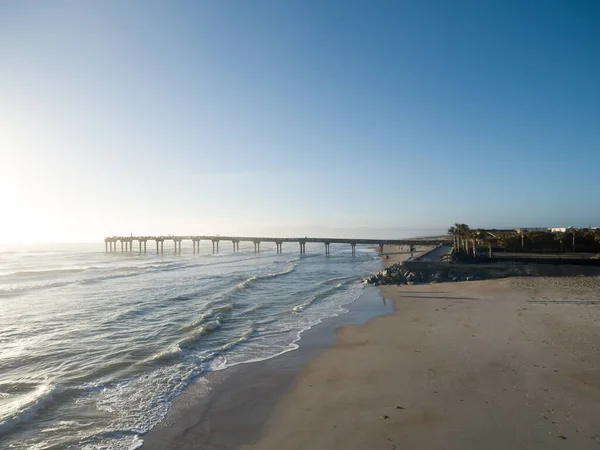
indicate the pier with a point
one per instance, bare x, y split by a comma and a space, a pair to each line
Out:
127, 242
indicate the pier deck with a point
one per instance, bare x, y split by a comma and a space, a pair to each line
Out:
127, 242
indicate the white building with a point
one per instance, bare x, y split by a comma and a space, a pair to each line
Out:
559, 230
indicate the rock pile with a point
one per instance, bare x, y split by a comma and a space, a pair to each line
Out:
398, 274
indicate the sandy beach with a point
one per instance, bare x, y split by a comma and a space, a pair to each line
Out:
498, 364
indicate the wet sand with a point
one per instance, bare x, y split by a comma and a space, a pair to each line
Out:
498, 364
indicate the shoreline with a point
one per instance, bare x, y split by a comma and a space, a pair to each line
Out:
495, 364
227, 408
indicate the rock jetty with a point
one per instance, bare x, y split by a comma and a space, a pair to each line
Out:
398, 274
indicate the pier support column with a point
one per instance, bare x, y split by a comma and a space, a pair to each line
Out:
157, 251
233, 242
213, 247
237, 246
121, 246
140, 242
162, 247
258, 247
353, 250
326, 248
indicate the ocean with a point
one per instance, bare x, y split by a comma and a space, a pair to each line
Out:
94, 346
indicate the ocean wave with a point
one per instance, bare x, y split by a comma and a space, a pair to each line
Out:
38, 273
245, 337
321, 295
172, 353
248, 282
23, 410
15, 291
126, 271
343, 279
197, 334
212, 313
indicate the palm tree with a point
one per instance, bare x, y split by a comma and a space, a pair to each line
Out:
523, 232
453, 232
482, 237
574, 233
463, 233
560, 236
458, 231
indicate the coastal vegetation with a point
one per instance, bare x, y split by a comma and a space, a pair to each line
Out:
470, 241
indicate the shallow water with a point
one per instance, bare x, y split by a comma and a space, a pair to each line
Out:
94, 346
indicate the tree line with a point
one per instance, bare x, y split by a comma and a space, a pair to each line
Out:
471, 241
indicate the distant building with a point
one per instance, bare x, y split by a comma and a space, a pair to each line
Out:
559, 230
519, 230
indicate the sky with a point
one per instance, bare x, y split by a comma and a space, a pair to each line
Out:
296, 117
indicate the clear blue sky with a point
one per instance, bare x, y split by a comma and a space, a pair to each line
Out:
285, 116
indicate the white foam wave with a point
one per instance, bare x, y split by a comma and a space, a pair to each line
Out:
195, 336
27, 406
